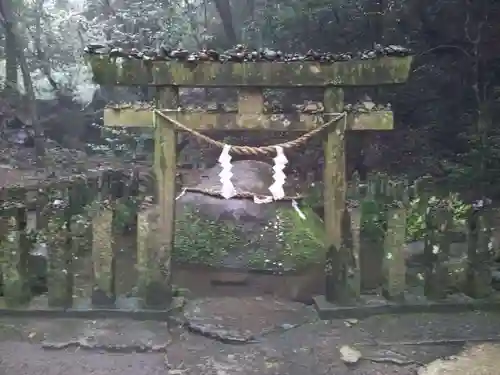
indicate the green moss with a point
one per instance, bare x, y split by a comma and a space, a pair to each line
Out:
199, 240
301, 241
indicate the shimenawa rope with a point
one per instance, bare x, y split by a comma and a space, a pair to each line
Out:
260, 150
249, 150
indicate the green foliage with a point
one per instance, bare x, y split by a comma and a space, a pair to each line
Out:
301, 241
415, 224
125, 212
199, 240
314, 197
480, 163
374, 208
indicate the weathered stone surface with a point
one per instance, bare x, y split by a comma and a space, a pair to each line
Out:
387, 70
142, 117
249, 176
262, 315
480, 359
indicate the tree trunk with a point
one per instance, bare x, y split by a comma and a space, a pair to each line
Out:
8, 19
224, 9
37, 41
10, 65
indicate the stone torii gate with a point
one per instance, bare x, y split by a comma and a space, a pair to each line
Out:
250, 78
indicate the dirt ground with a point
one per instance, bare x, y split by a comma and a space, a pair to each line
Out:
268, 337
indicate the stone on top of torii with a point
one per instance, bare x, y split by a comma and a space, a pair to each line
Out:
251, 78
130, 71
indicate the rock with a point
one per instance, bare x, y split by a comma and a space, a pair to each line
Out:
480, 359
253, 177
239, 233
239, 54
349, 355
351, 322
255, 222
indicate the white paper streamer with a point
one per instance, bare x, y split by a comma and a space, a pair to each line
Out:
298, 210
280, 162
225, 175
183, 192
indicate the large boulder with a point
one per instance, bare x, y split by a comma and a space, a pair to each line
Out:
249, 177
256, 233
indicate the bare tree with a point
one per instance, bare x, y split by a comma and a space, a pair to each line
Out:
8, 21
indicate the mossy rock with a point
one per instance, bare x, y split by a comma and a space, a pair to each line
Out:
287, 242
239, 232
301, 241
249, 177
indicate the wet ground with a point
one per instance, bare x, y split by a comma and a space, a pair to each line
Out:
270, 337
245, 335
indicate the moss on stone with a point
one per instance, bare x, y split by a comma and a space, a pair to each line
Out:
376, 120
199, 240
301, 241
386, 70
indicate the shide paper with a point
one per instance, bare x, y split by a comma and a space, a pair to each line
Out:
225, 175
280, 162
297, 209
